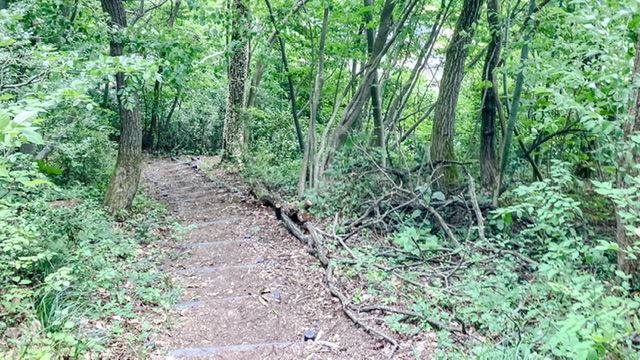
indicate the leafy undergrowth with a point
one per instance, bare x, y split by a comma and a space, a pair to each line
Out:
505, 288
76, 281
535, 279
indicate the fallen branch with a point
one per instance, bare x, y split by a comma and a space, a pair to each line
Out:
433, 322
315, 247
294, 211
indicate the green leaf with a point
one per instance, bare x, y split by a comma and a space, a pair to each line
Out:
6, 41
621, 274
438, 195
508, 218
634, 24
32, 136
593, 355
4, 121
51, 170
37, 182
23, 116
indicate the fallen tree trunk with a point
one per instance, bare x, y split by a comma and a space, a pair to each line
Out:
295, 212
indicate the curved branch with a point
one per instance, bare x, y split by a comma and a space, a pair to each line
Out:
543, 140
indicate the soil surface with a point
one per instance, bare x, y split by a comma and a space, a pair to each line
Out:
251, 289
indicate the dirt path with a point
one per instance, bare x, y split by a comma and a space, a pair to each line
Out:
251, 290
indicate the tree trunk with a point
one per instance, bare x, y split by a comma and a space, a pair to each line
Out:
388, 31
126, 176
153, 137
513, 112
167, 120
377, 140
292, 95
150, 142
174, 13
488, 158
627, 212
260, 66
233, 133
395, 110
105, 95
444, 118
309, 167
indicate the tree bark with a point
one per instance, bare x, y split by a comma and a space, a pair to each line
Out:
233, 133
388, 31
309, 167
488, 157
256, 78
153, 137
395, 110
443, 133
150, 142
627, 212
167, 120
174, 13
292, 95
354, 108
513, 112
377, 138
126, 176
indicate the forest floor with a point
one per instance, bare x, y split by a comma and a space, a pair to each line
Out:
251, 291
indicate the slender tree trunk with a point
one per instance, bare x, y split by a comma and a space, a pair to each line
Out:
167, 120
395, 110
150, 142
233, 133
488, 157
153, 139
155, 130
105, 95
513, 111
377, 139
292, 95
388, 31
444, 118
258, 72
126, 176
307, 171
174, 13
627, 213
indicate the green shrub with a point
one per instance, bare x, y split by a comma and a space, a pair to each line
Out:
69, 272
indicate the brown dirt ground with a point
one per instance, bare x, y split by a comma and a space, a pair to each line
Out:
235, 261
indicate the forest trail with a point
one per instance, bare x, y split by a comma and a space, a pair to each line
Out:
251, 289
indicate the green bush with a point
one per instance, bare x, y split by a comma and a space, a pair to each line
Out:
69, 272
